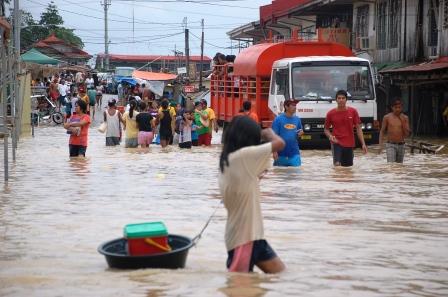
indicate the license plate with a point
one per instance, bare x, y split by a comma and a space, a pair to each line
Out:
305, 137
367, 136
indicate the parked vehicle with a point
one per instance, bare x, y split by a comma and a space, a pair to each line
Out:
120, 74
311, 72
45, 111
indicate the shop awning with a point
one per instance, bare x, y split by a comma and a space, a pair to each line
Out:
146, 75
389, 66
34, 56
441, 63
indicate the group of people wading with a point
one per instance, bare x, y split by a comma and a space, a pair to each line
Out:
245, 156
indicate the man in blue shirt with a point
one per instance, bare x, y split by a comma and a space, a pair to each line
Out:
289, 127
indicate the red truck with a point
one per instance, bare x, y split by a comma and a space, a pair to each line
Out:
266, 74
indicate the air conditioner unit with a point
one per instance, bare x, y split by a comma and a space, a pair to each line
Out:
365, 43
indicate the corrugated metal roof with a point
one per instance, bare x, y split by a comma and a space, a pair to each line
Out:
438, 64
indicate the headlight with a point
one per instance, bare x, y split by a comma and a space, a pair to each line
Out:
307, 127
363, 126
369, 126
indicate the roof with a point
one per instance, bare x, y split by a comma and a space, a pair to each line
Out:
281, 8
146, 75
149, 58
53, 39
34, 56
441, 63
74, 52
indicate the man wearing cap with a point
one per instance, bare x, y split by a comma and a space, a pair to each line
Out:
343, 119
396, 125
289, 127
212, 118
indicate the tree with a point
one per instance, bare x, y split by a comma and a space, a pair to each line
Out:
50, 22
50, 18
29, 33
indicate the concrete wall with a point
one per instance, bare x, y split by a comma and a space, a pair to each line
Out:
25, 92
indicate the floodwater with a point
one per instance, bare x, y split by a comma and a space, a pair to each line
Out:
371, 230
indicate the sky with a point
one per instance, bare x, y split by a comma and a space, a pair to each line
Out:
153, 27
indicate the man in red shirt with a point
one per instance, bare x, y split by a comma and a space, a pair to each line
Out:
343, 119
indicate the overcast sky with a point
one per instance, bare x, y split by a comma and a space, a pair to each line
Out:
153, 27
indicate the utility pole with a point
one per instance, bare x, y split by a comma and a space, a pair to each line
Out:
15, 72
187, 49
106, 4
202, 55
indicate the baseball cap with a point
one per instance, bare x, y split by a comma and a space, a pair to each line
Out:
290, 101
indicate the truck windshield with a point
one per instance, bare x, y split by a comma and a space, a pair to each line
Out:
321, 80
124, 71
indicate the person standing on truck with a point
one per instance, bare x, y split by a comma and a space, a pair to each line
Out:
396, 124
289, 127
243, 161
343, 119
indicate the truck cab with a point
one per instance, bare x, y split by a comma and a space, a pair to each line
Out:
314, 81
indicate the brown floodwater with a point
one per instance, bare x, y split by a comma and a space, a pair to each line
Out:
371, 230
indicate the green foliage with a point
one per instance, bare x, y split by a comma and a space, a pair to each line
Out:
50, 22
50, 18
68, 36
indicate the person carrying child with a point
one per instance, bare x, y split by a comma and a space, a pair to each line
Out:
243, 161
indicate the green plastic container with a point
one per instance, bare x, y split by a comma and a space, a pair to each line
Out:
143, 230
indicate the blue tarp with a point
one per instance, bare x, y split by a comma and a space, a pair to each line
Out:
128, 80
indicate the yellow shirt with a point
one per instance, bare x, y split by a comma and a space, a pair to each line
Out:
211, 117
172, 111
131, 125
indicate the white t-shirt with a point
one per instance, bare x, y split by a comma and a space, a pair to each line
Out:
62, 89
185, 135
73, 101
240, 189
89, 83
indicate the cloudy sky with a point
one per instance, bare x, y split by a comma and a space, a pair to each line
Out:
153, 26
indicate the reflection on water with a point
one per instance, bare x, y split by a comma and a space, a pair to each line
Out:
371, 230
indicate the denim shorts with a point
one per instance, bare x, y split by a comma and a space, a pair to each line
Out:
261, 251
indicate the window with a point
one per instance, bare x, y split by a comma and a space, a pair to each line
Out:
381, 32
280, 81
394, 23
433, 33
362, 21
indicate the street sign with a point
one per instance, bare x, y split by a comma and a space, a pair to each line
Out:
189, 89
182, 70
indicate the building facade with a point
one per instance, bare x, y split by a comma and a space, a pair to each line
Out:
406, 41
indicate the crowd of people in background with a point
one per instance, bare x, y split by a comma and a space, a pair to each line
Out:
158, 122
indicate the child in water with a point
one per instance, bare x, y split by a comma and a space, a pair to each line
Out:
243, 160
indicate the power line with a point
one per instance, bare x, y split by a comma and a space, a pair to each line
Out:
218, 3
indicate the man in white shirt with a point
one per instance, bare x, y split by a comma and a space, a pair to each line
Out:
62, 88
89, 82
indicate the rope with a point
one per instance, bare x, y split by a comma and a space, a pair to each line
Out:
195, 239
